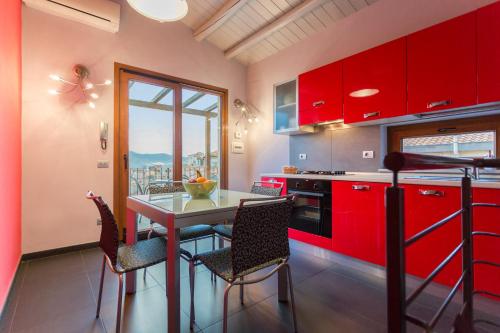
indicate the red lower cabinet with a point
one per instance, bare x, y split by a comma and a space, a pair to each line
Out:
486, 248
276, 180
424, 206
358, 223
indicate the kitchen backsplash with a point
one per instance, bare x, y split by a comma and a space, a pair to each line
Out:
337, 149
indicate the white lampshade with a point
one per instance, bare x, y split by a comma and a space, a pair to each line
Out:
161, 10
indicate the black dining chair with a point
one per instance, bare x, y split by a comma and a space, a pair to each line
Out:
225, 231
259, 240
187, 234
122, 259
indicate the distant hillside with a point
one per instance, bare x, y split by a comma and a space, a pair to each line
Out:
138, 160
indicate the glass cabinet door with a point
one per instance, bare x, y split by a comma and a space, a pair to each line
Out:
286, 112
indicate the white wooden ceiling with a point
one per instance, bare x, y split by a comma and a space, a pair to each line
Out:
248, 31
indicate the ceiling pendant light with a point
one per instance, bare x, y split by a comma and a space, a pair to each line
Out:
161, 10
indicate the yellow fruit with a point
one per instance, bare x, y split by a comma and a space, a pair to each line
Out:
201, 179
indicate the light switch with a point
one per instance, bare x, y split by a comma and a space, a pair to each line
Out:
103, 164
367, 153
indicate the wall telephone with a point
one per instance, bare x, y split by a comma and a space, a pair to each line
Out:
103, 130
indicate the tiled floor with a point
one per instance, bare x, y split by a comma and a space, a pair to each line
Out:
333, 294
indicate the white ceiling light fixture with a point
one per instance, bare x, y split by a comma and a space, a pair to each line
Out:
161, 10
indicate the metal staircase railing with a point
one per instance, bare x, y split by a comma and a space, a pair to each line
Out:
397, 300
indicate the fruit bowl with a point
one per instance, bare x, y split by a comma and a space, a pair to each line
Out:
200, 190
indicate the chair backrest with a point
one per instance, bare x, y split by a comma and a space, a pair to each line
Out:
164, 188
260, 232
109, 241
267, 188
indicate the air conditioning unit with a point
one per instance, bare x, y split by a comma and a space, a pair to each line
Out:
101, 14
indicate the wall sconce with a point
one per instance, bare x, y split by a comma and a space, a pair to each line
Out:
81, 84
248, 115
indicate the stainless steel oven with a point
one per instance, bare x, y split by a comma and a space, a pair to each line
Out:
313, 206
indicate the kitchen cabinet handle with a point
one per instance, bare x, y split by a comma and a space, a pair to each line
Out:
438, 103
434, 193
318, 103
360, 187
371, 114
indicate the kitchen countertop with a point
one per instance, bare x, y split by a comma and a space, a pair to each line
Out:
386, 177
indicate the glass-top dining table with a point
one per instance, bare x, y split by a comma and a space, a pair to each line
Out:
179, 210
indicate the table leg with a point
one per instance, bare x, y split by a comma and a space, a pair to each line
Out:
282, 285
130, 281
173, 280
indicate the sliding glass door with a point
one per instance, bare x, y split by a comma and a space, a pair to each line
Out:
201, 125
150, 135
167, 131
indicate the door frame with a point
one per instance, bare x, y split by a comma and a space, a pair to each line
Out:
121, 139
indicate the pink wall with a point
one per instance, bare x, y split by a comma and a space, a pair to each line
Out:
10, 143
383, 21
61, 140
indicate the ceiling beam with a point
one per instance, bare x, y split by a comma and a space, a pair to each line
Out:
212, 107
163, 107
164, 92
224, 13
192, 99
275, 25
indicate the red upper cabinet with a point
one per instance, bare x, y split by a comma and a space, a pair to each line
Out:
442, 71
320, 95
488, 53
375, 83
358, 220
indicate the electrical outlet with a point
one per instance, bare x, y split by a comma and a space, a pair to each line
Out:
302, 156
99, 221
237, 135
367, 153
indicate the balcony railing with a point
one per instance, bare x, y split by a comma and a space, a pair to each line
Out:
397, 300
141, 178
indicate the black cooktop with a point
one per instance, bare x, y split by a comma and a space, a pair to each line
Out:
326, 173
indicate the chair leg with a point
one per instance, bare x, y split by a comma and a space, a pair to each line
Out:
212, 276
150, 233
221, 242
195, 246
191, 288
292, 298
224, 318
103, 269
119, 310
241, 291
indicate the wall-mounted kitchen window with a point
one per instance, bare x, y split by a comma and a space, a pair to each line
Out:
469, 138
476, 144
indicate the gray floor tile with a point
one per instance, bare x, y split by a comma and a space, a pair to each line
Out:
333, 294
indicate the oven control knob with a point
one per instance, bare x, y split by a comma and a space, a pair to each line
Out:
297, 184
315, 186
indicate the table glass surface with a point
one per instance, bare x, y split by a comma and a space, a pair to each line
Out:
181, 204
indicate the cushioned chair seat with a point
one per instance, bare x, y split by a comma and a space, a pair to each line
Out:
189, 233
225, 230
220, 263
142, 254
196, 231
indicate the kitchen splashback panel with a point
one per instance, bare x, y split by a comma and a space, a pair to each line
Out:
338, 149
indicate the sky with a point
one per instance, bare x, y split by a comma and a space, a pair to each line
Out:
150, 130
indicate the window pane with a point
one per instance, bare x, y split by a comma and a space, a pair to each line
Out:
200, 134
476, 144
150, 135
